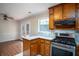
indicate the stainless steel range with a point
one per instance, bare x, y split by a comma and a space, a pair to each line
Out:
63, 45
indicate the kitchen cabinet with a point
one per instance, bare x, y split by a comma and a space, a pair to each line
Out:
58, 12
77, 16
50, 10
47, 47
69, 10
26, 47
65, 11
42, 47
38, 46
26, 44
38, 42
51, 19
0, 49
77, 50
47, 50
34, 47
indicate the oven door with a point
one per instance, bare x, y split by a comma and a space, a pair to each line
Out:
60, 52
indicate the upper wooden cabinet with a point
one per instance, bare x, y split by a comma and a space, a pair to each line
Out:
51, 19
50, 11
77, 16
77, 9
58, 12
65, 11
68, 10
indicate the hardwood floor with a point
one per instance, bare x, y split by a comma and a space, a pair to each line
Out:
10, 48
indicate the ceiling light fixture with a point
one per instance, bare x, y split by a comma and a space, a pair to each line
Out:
29, 12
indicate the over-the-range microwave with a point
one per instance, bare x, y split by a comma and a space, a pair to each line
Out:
65, 22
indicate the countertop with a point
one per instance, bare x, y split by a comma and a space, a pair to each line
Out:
44, 36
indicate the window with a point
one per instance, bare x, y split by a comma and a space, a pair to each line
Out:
43, 25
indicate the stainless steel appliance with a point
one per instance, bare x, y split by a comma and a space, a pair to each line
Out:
63, 45
65, 22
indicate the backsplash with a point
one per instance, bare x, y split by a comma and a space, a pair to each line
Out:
66, 31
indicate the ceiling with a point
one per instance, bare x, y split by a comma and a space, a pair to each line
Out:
20, 10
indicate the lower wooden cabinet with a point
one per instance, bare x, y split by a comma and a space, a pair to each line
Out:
37, 46
42, 49
77, 50
26, 44
47, 50
26, 47
47, 47
34, 49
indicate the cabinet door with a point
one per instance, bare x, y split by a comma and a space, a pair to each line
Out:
38, 42
51, 22
26, 47
58, 12
47, 47
68, 10
51, 19
42, 47
33, 49
77, 18
77, 50
0, 49
47, 50
50, 11
26, 44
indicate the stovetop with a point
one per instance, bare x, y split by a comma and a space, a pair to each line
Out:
65, 40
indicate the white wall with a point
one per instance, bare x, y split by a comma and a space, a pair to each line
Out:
8, 30
33, 20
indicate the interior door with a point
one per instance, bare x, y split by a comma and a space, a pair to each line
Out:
23, 30
27, 28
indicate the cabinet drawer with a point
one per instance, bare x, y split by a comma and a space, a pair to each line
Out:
34, 41
47, 42
42, 41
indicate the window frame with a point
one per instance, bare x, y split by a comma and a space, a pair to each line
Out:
39, 25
